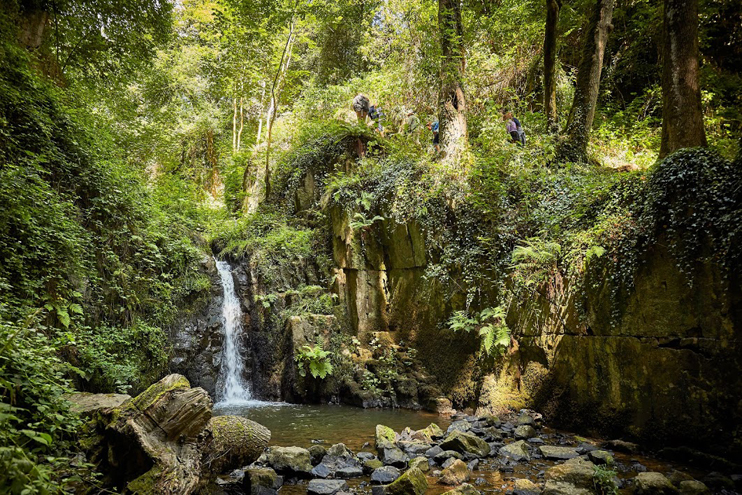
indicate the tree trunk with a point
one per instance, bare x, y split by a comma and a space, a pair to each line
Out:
682, 114
234, 126
452, 103
242, 124
274, 106
550, 52
260, 115
588, 83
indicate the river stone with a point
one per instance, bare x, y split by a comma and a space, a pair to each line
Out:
600, 457
412, 482
456, 473
448, 462
259, 480
653, 483
525, 486
339, 450
371, 465
563, 488
577, 472
326, 487
465, 443
432, 452
420, 463
524, 431
385, 475
291, 460
557, 453
447, 454
621, 446
525, 419
465, 489
385, 437
460, 425
693, 487
393, 457
718, 481
348, 472
491, 434
517, 451
322, 470
317, 453
428, 433
365, 456
414, 448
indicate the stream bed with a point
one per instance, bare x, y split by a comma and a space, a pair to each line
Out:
326, 425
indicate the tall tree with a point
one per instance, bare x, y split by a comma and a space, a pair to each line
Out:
682, 117
582, 113
550, 46
452, 101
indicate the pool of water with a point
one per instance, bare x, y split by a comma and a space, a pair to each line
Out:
295, 424
303, 425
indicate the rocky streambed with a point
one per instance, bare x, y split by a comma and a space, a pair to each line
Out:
476, 454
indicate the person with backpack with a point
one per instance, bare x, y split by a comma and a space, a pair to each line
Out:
360, 106
433, 127
376, 114
514, 128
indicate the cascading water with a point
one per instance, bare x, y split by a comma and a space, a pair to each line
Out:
232, 388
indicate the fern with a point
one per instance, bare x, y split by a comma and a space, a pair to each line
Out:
316, 359
494, 334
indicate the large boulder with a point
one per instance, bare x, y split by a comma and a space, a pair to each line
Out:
326, 487
577, 472
456, 473
465, 489
466, 443
290, 460
563, 488
517, 451
557, 453
412, 482
385, 437
654, 483
230, 442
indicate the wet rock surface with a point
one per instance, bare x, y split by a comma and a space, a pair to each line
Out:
548, 463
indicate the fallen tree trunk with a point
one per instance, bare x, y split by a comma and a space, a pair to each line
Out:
165, 441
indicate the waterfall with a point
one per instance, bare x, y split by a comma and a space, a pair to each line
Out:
232, 388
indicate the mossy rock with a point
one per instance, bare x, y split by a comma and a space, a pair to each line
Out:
412, 482
230, 442
466, 443
420, 463
385, 437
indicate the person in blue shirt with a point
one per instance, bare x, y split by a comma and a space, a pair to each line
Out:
433, 126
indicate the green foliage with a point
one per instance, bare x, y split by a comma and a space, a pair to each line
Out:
605, 480
493, 332
35, 422
693, 199
315, 360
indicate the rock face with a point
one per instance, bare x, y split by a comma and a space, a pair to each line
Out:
197, 337
157, 441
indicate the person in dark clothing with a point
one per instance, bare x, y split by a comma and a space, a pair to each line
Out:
513, 127
433, 127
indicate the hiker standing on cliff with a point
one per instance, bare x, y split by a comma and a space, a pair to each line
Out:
361, 107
